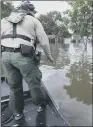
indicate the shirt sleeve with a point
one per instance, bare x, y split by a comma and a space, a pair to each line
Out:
42, 38
2, 24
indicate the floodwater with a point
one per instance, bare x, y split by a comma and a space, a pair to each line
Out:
69, 81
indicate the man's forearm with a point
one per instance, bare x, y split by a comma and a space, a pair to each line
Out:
47, 51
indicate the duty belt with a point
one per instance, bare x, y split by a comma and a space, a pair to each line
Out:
8, 49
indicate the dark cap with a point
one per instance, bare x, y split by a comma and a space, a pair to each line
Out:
28, 7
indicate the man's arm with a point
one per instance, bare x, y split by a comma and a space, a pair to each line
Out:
3, 27
43, 39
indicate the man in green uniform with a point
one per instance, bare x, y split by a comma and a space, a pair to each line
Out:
18, 36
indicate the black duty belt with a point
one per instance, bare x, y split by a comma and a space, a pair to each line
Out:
8, 49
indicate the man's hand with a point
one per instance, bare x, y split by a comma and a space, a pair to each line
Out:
51, 59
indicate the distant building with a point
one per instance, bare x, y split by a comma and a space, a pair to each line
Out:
75, 38
53, 38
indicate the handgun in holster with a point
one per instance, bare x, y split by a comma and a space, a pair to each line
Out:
37, 57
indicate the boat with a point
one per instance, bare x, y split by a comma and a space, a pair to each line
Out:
50, 117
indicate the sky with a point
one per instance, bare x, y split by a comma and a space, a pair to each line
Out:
45, 6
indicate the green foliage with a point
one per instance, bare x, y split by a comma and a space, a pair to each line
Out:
6, 8
47, 21
53, 23
81, 17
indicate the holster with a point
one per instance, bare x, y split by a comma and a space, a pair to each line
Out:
37, 57
2, 49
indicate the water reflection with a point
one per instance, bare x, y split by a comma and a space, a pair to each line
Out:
75, 63
80, 74
81, 87
78, 63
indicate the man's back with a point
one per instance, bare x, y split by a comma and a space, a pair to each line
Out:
28, 26
25, 27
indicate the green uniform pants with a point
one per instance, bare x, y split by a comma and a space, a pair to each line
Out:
17, 67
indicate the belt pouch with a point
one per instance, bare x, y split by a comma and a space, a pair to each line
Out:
26, 50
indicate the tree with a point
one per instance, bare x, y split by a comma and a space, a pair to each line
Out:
6, 8
53, 23
47, 21
81, 17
